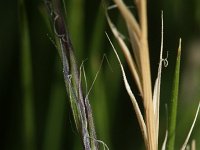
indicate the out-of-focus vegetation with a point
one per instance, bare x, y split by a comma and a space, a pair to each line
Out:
33, 73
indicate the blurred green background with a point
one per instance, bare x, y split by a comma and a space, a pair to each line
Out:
34, 107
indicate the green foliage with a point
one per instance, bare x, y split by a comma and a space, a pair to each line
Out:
174, 102
27, 81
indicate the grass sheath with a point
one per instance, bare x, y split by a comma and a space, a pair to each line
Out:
80, 105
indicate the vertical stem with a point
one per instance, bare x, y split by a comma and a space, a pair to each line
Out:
146, 76
26, 80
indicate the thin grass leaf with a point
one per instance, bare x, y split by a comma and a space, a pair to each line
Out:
27, 80
133, 30
173, 102
132, 97
191, 129
134, 40
135, 44
128, 17
127, 54
139, 33
156, 92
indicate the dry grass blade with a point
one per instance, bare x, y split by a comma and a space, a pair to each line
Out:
139, 41
156, 92
146, 76
142, 11
127, 55
191, 129
133, 30
135, 43
130, 20
132, 97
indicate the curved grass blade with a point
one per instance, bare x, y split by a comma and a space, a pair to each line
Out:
191, 129
132, 97
127, 54
134, 30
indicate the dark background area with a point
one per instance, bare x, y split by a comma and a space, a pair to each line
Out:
115, 119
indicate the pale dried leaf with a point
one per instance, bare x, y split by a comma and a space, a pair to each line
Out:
127, 54
142, 12
133, 30
129, 18
156, 92
135, 44
132, 97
